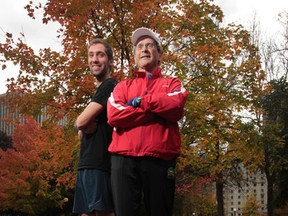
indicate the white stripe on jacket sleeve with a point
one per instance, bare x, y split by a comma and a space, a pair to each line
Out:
177, 91
115, 105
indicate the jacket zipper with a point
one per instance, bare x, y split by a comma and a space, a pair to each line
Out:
141, 129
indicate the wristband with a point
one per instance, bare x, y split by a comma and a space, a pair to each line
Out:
136, 101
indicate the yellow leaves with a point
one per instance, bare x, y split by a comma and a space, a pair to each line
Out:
262, 75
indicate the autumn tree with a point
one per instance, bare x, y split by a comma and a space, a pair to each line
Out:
273, 122
34, 173
195, 197
251, 206
226, 80
219, 66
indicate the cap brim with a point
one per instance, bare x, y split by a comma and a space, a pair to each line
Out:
138, 33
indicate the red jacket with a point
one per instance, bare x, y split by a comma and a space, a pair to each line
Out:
151, 129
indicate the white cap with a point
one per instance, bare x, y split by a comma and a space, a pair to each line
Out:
144, 32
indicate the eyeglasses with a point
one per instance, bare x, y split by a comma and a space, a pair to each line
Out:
147, 46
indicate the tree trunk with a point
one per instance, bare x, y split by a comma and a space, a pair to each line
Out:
270, 196
219, 194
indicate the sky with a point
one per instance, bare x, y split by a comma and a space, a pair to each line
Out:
14, 19
243, 11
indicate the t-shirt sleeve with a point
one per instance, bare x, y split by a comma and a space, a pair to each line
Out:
104, 91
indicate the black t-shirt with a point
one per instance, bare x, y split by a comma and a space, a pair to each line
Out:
94, 147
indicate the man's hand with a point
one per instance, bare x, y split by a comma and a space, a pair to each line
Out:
80, 134
135, 102
90, 128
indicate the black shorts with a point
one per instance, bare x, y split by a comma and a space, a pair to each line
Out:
92, 192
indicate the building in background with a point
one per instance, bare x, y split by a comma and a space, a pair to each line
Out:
254, 187
8, 127
5, 126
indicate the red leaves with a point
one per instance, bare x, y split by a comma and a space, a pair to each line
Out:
214, 63
8, 35
40, 157
30, 10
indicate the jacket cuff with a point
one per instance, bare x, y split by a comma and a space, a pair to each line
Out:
145, 102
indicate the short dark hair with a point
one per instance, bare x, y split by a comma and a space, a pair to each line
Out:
108, 48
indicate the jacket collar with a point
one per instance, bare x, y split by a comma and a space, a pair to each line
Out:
155, 74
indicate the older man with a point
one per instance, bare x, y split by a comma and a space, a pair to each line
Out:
146, 139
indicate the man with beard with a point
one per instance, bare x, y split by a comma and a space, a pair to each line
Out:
93, 187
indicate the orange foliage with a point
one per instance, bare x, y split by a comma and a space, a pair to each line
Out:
219, 67
26, 172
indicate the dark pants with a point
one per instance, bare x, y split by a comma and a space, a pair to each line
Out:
134, 178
